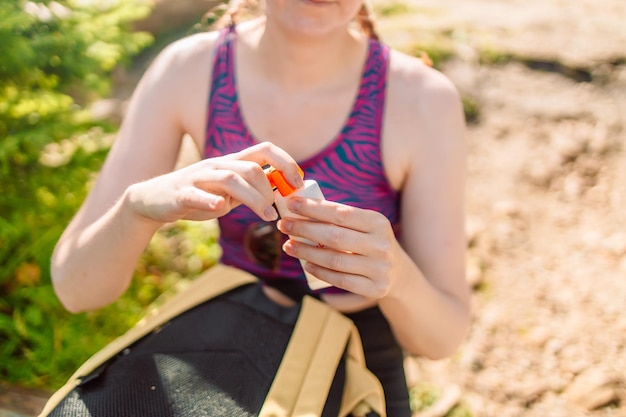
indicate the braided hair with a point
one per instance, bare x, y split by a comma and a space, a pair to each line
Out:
366, 20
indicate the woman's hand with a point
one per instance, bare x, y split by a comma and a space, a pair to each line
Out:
357, 248
211, 188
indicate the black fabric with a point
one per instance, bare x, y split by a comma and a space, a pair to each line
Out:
384, 358
383, 355
217, 359
294, 289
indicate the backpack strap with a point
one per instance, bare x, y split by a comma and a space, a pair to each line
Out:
215, 281
364, 392
306, 372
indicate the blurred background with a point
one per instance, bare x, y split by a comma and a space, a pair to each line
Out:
544, 90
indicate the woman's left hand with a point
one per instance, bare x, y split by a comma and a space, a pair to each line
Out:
357, 248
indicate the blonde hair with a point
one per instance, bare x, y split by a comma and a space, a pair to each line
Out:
366, 21
228, 16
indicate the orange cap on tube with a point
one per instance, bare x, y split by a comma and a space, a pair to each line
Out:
278, 180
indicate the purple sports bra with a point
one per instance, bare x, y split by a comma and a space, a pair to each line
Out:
349, 170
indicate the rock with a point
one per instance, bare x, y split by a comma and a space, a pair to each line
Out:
572, 186
594, 388
568, 147
599, 142
529, 392
553, 346
572, 360
539, 336
507, 208
539, 173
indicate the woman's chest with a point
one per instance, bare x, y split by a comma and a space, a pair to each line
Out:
303, 124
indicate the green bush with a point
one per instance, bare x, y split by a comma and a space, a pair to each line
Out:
56, 57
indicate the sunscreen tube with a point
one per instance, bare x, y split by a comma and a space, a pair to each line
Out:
282, 192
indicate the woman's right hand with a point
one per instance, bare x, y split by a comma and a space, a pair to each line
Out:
137, 189
94, 260
212, 187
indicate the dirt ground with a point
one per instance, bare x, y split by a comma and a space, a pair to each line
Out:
546, 191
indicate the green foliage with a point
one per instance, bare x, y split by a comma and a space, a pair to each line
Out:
439, 51
41, 344
177, 253
423, 396
489, 56
460, 411
55, 58
471, 108
394, 8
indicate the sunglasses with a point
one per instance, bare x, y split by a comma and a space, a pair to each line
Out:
263, 244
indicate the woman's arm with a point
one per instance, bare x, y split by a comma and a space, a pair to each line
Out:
137, 191
428, 304
94, 259
420, 282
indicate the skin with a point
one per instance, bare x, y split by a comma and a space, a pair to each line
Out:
305, 56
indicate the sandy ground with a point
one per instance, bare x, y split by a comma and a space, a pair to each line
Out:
546, 191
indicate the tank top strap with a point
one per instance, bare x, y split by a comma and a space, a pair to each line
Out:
380, 66
223, 106
371, 97
223, 72
223, 61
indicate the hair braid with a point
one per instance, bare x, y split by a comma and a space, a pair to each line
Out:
223, 15
366, 21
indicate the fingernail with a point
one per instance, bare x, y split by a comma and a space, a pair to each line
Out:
294, 204
298, 181
284, 225
289, 248
270, 213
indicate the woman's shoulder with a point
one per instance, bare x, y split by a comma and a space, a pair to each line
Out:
187, 50
176, 84
181, 63
423, 114
417, 85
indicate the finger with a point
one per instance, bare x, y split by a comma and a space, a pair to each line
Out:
267, 153
337, 237
340, 261
354, 283
244, 183
196, 199
339, 214
324, 234
250, 172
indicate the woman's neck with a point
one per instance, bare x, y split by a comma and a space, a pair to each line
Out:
301, 62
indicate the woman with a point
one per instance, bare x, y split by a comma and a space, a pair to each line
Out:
380, 131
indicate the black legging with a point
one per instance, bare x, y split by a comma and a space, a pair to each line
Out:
383, 355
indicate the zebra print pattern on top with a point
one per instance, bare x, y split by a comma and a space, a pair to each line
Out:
349, 170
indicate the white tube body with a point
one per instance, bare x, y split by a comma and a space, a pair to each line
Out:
312, 190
